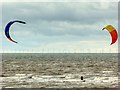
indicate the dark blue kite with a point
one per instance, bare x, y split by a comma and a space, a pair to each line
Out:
8, 27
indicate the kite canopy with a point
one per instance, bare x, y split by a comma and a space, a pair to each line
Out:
112, 32
7, 28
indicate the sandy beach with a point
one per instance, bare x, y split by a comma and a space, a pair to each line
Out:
59, 71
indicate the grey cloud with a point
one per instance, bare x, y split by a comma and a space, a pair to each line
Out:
59, 12
52, 22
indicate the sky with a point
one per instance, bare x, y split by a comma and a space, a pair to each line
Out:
57, 27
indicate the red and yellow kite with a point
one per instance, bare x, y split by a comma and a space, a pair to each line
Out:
112, 32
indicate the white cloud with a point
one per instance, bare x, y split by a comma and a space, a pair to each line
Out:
60, 1
54, 25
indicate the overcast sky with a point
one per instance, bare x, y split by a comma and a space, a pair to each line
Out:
57, 27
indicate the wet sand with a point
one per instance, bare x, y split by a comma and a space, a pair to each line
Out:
60, 71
